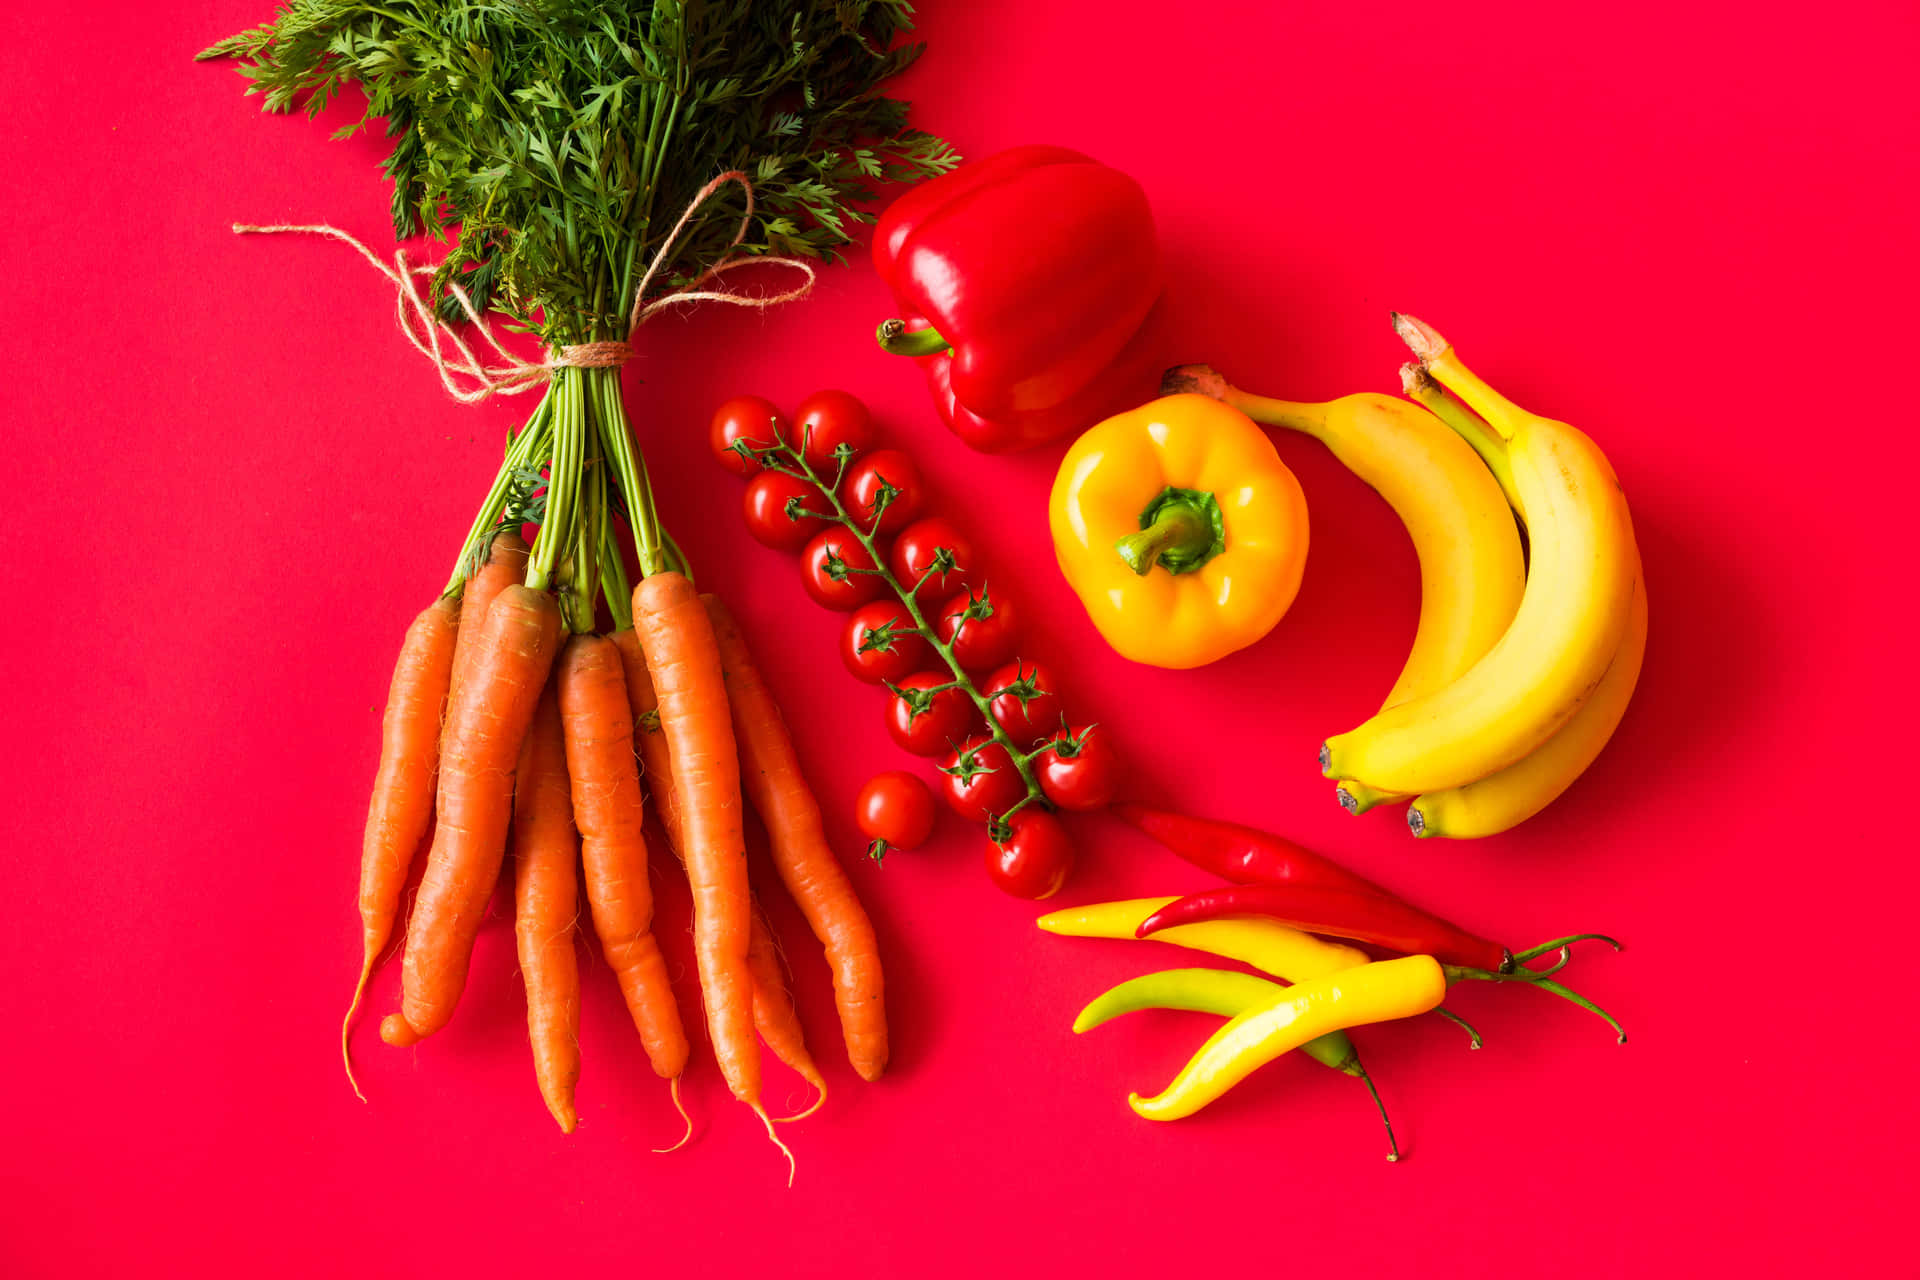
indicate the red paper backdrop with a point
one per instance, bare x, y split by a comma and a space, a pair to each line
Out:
1687, 228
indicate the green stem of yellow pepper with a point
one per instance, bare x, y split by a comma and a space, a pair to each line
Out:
1180, 530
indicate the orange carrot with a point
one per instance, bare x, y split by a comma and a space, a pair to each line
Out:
487, 719
607, 806
546, 861
774, 1016
402, 804
505, 565
678, 641
770, 773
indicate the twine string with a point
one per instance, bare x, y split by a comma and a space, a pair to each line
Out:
470, 379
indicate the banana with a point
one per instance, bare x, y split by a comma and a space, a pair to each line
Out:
1472, 573
1503, 800
1571, 619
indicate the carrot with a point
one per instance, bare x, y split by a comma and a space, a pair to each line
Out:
770, 772
546, 860
677, 639
774, 1016
505, 565
607, 806
402, 803
487, 719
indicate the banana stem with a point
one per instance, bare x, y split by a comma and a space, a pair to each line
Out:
1420, 387
1204, 380
1438, 357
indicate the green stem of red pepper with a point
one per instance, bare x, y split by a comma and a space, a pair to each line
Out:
897, 340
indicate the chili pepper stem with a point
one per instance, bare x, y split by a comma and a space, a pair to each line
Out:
897, 340
1474, 1041
1561, 944
1393, 1144
1457, 973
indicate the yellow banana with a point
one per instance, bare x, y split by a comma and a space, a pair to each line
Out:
1570, 622
1503, 800
1471, 570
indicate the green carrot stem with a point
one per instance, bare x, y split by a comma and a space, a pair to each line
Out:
520, 452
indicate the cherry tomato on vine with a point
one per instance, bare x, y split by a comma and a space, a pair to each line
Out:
946, 718
918, 548
880, 644
765, 507
895, 811
826, 420
979, 779
750, 418
1081, 770
981, 642
836, 552
1035, 858
870, 476
1026, 719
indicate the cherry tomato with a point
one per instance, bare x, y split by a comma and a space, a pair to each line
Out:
903, 652
948, 718
765, 507
895, 811
750, 418
1027, 720
918, 548
986, 785
983, 642
863, 487
826, 420
1081, 770
1035, 858
836, 550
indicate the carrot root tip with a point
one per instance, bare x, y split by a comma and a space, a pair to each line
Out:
774, 1138
398, 1032
673, 1088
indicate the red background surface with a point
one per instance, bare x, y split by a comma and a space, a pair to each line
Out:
1687, 228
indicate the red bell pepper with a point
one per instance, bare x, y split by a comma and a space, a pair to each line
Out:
1022, 279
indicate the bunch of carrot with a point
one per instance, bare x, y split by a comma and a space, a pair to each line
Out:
513, 720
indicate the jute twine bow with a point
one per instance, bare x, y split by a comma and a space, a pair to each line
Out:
469, 379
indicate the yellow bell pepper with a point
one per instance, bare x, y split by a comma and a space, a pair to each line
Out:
1180, 529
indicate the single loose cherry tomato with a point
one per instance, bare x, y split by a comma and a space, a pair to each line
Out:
1021, 697
753, 419
880, 644
1081, 770
943, 720
979, 779
881, 472
826, 420
921, 547
983, 641
837, 571
895, 811
768, 496
1034, 859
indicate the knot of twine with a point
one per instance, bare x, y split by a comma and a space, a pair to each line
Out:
469, 379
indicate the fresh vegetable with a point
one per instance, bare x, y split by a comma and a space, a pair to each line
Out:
932, 559
1471, 569
824, 423
1080, 769
1288, 1019
775, 506
930, 714
1180, 529
598, 719
980, 780
546, 869
504, 565
1021, 699
1033, 857
487, 717
1229, 994
837, 571
753, 419
1572, 620
1021, 278
882, 644
1242, 854
894, 811
981, 628
1265, 944
770, 768
402, 804
884, 492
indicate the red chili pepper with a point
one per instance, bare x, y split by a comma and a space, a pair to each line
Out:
1341, 913
1242, 854
1021, 278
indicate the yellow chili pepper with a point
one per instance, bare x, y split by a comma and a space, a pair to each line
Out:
1377, 992
1267, 945
1180, 529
